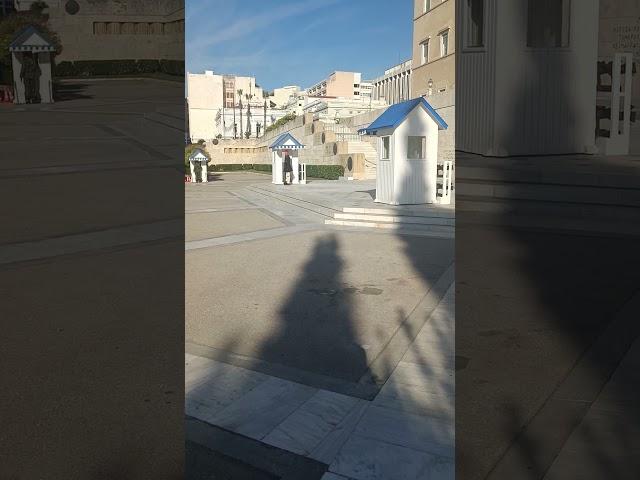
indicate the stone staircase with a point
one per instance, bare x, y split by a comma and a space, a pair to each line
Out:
578, 194
422, 220
370, 154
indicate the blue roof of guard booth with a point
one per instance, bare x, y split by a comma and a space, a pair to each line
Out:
395, 114
281, 142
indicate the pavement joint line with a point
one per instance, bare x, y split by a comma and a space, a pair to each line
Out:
397, 346
275, 197
214, 210
250, 236
613, 344
134, 141
90, 241
87, 168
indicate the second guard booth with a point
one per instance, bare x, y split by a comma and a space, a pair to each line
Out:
407, 153
287, 144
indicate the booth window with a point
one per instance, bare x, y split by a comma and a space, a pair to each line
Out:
416, 148
475, 23
548, 23
385, 148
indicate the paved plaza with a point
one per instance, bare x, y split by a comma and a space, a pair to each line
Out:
70, 181
331, 343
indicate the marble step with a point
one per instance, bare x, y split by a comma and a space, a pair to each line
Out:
402, 210
438, 230
585, 194
396, 219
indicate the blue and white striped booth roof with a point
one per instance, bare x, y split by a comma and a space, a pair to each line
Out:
31, 40
286, 141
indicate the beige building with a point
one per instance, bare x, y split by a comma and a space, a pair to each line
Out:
342, 84
215, 106
282, 96
433, 65
395, 85
116, 29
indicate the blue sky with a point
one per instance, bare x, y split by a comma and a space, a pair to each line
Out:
289, 42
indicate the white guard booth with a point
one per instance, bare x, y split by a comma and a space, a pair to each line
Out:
284, 144
198, 156
407, 153
32, 47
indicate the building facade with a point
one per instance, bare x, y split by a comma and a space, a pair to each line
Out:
342, 84
282, 96
331, 109
216, 107
433, 68
395, 85
116, 29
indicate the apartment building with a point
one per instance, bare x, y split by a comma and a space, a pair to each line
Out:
395, 85
342, 84
433, 65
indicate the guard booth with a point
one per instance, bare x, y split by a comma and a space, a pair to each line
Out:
407, 153
31, 53
284, 144
198, 157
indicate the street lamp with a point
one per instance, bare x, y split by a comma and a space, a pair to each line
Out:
430, 85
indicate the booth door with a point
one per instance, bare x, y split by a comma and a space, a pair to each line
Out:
417, 183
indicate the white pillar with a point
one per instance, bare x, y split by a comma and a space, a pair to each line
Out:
193, 173
295, 161
205, 178
18, 94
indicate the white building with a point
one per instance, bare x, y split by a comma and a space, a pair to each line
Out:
395, 85
331, 108
282, 96
217, 108
408, 152
539, 64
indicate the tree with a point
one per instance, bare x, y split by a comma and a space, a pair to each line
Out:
265, 95
12, 24
240, 101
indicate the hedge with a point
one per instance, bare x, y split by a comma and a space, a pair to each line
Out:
328, 172
89, 68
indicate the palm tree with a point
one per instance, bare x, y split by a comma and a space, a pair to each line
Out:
265, 95
234, 117
248, 97
240, 101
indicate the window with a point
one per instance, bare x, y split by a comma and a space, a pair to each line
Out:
416, 147
475, 23
444, 43
424, 58
427, 5
385, 148
548, 23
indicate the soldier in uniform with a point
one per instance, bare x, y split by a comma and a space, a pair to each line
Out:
30, 74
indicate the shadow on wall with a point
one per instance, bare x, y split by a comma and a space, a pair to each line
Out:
531, 306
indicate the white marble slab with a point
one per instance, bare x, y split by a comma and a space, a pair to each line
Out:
329, 447
427, 434
368, 459
259, 411
305, 428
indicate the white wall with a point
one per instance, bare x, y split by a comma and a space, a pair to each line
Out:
557, 85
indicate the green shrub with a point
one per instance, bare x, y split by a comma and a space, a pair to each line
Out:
281, 121
89, 68
329, 172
